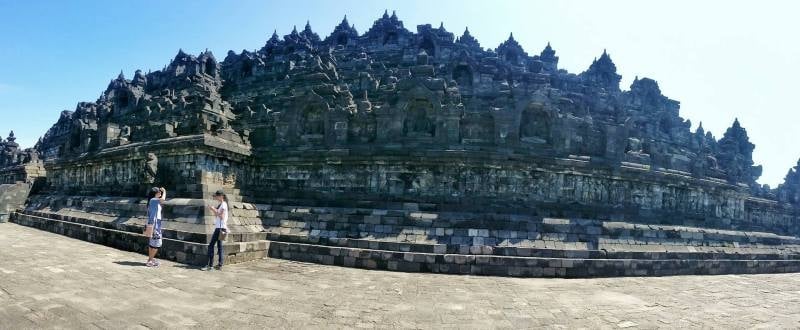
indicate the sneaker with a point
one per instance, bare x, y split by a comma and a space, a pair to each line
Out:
206, 268
218, 267
156, 263
151, 263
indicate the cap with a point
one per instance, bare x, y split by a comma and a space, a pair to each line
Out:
155, 189
219, 193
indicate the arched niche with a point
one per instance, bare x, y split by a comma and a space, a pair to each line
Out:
247, 68
341, 39
535, 125
477, 128
390, 38
74, 141
123, 99
462, 75
665, 125
313, 122
362, 128
123, 102
210, 67
512, 57
428, 46
419, 122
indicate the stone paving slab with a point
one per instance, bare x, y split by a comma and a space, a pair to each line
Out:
51, 281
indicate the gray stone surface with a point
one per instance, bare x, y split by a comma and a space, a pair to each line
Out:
423, 116
51, 281
479, 145
12, 198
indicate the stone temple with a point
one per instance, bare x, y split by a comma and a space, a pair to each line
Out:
408, 151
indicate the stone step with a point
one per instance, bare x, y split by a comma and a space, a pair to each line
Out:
580, 264
192, 253
380, 222
520, 266
687, 253
130, 227
540, 237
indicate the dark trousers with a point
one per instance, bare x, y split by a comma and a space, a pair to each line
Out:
215, 240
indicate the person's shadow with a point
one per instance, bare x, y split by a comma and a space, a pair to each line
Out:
130, 263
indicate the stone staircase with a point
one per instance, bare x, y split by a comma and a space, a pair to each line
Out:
512, 245
400, 237
119, 221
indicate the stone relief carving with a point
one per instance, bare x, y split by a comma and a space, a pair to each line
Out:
150, 168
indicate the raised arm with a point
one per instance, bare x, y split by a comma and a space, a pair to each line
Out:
213, 209
221, 215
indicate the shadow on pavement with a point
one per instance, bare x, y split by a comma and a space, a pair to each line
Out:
184, 266
130, 263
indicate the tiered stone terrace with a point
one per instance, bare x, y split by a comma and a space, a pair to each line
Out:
407, 239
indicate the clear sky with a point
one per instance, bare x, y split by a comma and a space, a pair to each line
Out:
720, 59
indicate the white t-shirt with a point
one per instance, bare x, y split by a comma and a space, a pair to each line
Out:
223, 221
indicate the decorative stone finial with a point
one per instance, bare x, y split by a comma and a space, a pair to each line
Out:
548, 53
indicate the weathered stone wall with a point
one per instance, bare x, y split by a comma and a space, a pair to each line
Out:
16, 183
33, 172
191, 167
12, 198
773, 216
556, 187
110, 186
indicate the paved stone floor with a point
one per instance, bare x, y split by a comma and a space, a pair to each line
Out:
51, 281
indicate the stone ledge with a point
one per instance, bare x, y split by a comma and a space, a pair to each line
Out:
135, 227
487, 224
520, 266
176, 250
734, 254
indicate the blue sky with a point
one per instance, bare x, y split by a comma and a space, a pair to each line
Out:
721, 59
